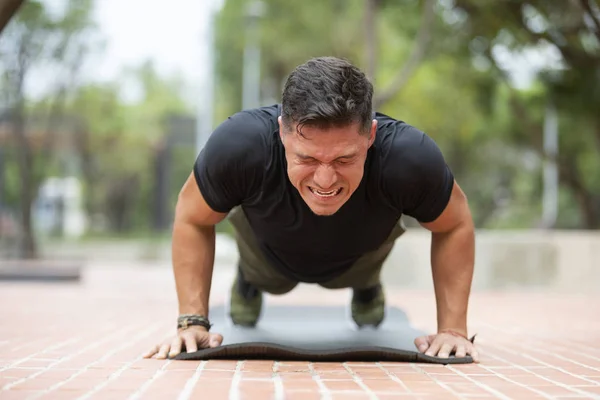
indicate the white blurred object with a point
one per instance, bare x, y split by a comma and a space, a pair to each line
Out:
59, 208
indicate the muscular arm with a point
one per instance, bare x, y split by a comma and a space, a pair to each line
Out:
452, 261
193, 249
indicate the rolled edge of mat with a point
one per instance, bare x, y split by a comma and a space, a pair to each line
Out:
271, 351
40, 272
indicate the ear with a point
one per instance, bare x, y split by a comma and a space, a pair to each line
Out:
373, 132
280, 127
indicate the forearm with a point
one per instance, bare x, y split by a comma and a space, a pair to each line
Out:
193, 254
453, 258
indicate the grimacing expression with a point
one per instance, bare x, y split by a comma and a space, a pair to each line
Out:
326, 165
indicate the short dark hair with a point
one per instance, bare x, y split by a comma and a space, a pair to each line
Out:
326, 92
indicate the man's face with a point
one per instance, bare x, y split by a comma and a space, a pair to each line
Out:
326, 165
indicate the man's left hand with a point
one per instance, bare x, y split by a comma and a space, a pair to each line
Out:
443, 344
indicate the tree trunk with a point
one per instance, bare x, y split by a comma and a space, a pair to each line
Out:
84, 150
416, 57
8, 8
587, 202
371, 38
161, 217
2, 180
121, 203
25, 158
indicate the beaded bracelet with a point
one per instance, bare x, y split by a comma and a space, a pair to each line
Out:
186, 320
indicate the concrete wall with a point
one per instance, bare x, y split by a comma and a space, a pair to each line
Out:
559, 260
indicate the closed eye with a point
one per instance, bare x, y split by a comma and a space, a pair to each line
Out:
345, 160
306, 160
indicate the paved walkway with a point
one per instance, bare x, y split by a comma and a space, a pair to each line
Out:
84, 341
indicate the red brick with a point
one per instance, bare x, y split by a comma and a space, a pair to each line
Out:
216, 374
595, 390
106, 394
36, 363
341, 384
294, 367
17, 394
414, 377
63, 394
57, 374
467, 388
34, 384
302, 395
221, 364
448, 378
369, 373
20, 372
257, 365
208, 392
505, 348
183, 365
260, 374
384, 385
300, 384
296, 377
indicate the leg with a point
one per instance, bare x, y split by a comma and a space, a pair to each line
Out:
255, 268
368, 299
255, 275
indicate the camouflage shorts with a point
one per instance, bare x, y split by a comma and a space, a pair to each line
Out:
257, 270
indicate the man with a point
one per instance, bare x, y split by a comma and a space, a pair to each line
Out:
315, 189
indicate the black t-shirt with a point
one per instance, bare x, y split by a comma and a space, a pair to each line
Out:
243, 164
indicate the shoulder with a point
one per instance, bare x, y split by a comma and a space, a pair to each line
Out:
414, 175
405, 150
230, 167
244, 132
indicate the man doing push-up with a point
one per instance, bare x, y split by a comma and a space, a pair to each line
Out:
315, 188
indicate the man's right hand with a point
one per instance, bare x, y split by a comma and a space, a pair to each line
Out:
193, 338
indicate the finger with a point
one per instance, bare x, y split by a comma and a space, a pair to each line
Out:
164, 350
422, 344
445, 350
151, 352
190, 343
434, 347
461, 351
215, 340
472, 351
175, 347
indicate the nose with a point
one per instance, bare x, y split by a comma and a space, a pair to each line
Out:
325, 176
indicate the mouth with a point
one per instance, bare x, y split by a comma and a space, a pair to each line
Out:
325, 195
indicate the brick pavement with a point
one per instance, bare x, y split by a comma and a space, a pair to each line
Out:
84, 341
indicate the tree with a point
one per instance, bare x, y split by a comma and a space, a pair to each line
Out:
571, 30
117, 143
34, 38
324, 28
8, 8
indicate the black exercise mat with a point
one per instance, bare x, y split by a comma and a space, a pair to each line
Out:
309, 333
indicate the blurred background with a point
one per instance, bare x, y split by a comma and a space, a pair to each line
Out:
104, 105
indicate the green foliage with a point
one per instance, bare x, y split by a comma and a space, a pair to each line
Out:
121, 143
570, 30
285, 42
459, 93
